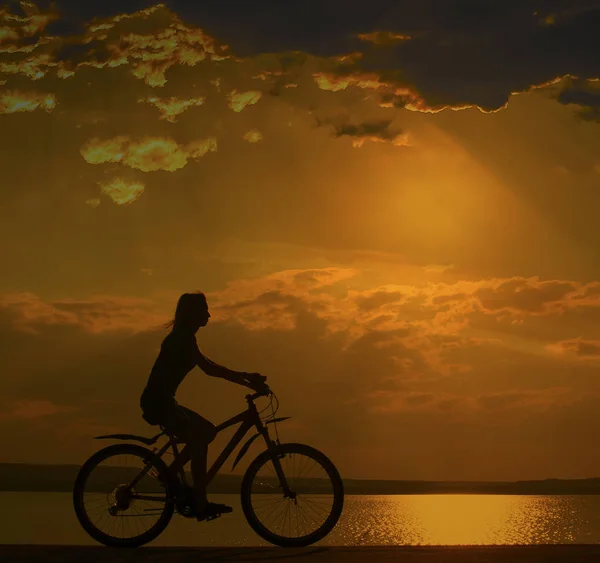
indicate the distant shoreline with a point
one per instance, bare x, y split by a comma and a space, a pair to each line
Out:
59, 478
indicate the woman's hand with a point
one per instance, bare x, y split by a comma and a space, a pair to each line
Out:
257, 382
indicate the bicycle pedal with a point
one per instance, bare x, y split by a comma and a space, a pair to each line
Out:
213, 517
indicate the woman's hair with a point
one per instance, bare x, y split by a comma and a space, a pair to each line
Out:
189, 305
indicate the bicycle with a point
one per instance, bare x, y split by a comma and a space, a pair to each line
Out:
314, 504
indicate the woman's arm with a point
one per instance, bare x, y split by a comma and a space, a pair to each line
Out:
215, 370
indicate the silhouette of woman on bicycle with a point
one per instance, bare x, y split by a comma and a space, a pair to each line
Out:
179, 354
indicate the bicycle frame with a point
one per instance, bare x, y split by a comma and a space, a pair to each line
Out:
248, 419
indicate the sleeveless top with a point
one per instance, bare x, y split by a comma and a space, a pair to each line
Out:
178, 355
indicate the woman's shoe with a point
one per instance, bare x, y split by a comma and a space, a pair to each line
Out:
213, 510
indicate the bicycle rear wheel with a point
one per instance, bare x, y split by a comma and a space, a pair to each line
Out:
110, 509
312, 509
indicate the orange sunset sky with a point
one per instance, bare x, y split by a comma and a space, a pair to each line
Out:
393, 211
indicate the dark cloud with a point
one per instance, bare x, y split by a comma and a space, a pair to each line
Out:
580, 94
459, 54
462, 52
377, 299
584, 349
378, 130
530, 296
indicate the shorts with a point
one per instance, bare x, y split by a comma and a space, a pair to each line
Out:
184, 423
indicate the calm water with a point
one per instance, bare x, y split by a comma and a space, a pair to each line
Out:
48, 518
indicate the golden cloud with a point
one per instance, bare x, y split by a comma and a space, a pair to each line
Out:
433, 319
433, 330
8, 34
334, 83
525, 295
151, 55
374, 131
98, 314
99, 24
122, 191
197, 149
400, 140
577, 348
34, 67
268, 74
391, 95
253, 136
258, 302
170, 108
240, 100
147, 154
15, 101
29, 409
437, 268
383, 37
386, 401
33, 22
349, 59
151, 154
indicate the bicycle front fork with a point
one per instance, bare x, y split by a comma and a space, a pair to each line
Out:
287, 492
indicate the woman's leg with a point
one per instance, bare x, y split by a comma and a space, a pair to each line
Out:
199, 459
197, 433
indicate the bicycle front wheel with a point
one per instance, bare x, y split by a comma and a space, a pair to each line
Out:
121, 497
310, 508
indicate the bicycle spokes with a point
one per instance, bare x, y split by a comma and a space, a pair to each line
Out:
303, 507
116, 508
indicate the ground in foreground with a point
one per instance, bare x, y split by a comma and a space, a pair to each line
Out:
314, 554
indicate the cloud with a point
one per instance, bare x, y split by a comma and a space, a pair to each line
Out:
429, 331
150, 55
253, 136
109, 43
390, 93
122, 191
13, 101
383, 37
173, 106
93, 202
371, 300
474, 55
33, 67
240, 100
525, 398
30, 409
359, 376
433, 311
15, 27
374, 131
473, 405
530, 296
577, 348
424, 60
583, 94
27, 312
103, 24
147, 154
437, 268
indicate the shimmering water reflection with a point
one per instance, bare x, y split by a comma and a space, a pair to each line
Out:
48, 518
469, 519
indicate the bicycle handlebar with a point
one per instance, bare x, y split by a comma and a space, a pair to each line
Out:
258, 394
